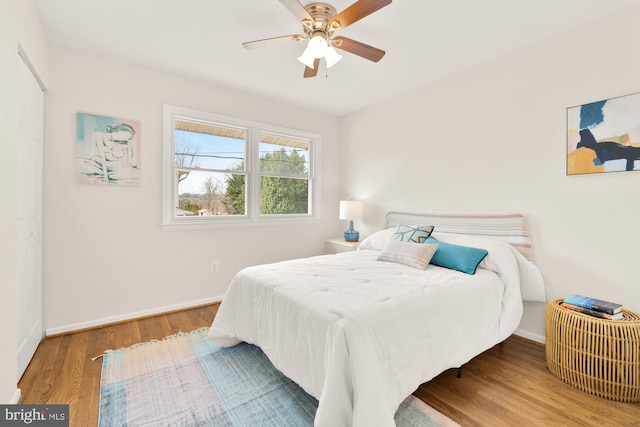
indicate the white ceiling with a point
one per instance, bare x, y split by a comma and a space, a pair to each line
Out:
201, 39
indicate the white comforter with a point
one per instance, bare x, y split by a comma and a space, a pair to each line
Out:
360, 335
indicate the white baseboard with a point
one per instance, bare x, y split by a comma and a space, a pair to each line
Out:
123, 317
530, 336
16, 397
128, 316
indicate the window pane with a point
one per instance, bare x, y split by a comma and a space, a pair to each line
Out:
205, 151
210, 193
284, 196
226, 171
284, 156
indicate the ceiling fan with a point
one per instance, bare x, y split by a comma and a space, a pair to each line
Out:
320, 21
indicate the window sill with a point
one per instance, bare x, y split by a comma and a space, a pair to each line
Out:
236, 222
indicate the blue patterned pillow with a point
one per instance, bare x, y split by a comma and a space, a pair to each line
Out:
456, 257
410, 233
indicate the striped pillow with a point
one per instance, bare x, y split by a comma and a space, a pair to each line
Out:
408, 253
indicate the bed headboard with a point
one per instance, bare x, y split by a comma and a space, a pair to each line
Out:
508, 227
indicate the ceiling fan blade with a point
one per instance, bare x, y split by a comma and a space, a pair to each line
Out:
274, 41
355, 12
312, 72
297, 10
357, 48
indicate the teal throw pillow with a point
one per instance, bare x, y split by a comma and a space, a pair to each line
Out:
456, 257
411, 233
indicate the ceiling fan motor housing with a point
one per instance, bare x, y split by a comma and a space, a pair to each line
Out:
321, 13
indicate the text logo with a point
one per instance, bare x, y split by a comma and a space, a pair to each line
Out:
34, 415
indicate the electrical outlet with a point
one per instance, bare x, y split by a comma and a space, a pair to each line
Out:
215, 266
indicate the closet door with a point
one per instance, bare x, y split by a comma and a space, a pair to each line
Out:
30, 114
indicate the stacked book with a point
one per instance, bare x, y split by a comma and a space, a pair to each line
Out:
593, 307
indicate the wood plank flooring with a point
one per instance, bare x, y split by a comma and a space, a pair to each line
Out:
62, 370
508, 385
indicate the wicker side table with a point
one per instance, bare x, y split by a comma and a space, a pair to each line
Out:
599, 356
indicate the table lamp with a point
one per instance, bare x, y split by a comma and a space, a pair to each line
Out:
351, 210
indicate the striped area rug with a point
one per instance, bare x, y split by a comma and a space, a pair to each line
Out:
187, 380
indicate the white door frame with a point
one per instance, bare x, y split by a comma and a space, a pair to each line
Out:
30, 136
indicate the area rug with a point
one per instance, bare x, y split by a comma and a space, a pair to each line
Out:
187, 380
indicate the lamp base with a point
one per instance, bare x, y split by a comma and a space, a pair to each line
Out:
351, 236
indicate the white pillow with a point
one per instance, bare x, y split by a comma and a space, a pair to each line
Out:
532, 286
377, 240
416, 255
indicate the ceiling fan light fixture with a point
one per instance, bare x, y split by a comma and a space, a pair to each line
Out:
320, 21
332, 57
317, 46
306, 58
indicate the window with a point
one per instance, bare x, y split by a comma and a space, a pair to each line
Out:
221, 170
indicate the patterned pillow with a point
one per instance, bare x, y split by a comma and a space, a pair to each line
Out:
407, 253
410, 233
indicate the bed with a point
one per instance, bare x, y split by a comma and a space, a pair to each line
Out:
361, 330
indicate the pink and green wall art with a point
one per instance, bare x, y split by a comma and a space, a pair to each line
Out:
107, 150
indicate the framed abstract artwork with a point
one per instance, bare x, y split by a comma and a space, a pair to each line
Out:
604, 136
107, 150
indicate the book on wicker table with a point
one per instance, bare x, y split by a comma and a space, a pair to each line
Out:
594, 304
594, 313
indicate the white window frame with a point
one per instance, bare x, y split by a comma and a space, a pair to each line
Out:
252, 183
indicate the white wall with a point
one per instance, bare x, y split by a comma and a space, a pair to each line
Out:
493, 138
19, 26
105, 254
448, 145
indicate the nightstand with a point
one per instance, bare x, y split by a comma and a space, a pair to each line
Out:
599, 356
338, 244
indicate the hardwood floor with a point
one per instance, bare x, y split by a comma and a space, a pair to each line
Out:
62, 370
508, 385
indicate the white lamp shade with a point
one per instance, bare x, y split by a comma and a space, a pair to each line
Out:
350, 209
306, 58
317, 46
332, 57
